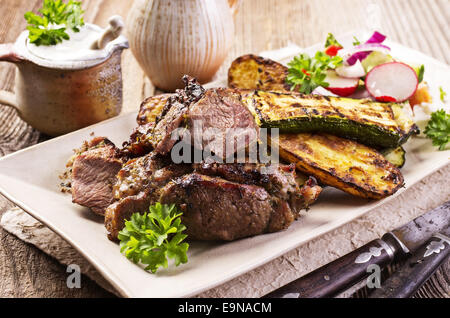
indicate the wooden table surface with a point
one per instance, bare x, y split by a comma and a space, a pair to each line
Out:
260, 25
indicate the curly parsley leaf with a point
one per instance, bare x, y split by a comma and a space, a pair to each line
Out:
306, 73
57, 16
151, 238
438, 128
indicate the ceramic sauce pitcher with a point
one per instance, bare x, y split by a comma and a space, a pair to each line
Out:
58, 94
170, 38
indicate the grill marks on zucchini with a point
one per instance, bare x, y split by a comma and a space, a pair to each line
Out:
255, 72
395, 156
375, 124
341, 163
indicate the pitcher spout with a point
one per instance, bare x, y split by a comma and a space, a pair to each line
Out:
8, 53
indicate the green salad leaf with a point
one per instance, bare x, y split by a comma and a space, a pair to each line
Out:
442, 94
151, 238
438, 128
420, 72
331, 40
57, 16
308, 73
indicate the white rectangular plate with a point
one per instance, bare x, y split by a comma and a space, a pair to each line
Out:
29, 178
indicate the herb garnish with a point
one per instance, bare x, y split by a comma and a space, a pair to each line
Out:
420, 73
331, 40
151, 238
438, 128
309, 73
356, 41
442, 94
57, 16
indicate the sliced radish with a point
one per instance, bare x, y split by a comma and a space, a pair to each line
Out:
341, 86
352, 71
322, 91
393, 81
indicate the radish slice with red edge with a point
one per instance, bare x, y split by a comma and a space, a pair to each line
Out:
392, 82
341, 86
353, 71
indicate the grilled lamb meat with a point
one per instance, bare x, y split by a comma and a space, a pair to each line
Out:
205, 190
222, 123
138, 186
93, 174
278, 180
173, 115
217, 209
217, 118
139, 143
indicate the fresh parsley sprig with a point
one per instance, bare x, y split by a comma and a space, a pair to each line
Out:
57, 16
438, 128
420, 73
151, 238
306, 73
442, 94
356, 41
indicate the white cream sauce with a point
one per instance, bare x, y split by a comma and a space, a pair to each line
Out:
77, 48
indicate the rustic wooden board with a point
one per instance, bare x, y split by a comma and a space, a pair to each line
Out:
260, 25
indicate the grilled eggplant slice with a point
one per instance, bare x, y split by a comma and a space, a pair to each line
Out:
151, 108
380, 125
395, 156
255, 72
341, 163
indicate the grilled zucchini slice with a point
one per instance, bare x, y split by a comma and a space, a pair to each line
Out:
341, 163
395, 156
255, 72
380, 125
151, 108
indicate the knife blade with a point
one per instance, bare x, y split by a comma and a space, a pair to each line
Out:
417, 269
344, 272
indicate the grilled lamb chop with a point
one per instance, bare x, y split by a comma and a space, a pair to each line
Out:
174, 114
139, 143
207, 193
279, 180
93, 174
222, 123
214, 116
217, 209
137, 187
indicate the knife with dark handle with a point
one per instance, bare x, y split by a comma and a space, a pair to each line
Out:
417, 270
348, 270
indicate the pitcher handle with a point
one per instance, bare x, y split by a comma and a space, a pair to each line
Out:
234, 6
9, 54
8, 98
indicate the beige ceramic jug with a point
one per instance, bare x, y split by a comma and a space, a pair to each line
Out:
57, 97
170, 38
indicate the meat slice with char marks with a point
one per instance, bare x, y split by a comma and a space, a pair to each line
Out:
138, 186
216, 119
278, 179
217, 209
221, 123
213, 197
94, 173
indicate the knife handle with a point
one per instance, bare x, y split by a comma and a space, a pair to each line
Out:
412, 275
338, 275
